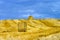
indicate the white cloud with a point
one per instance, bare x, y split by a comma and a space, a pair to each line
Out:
55, 6
42, 15
22, 0
36, 15
29, 10
26, 15
26, 11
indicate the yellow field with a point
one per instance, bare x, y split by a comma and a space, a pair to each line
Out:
29, 29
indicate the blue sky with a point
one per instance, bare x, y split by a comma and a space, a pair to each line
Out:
17, 9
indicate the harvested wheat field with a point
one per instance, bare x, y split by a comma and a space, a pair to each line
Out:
30, 29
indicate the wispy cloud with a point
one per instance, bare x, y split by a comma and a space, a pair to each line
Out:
56, 6
27, 10
22, 0
26, 15
36, 15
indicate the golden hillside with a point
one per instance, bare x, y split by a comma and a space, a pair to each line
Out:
29, 29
